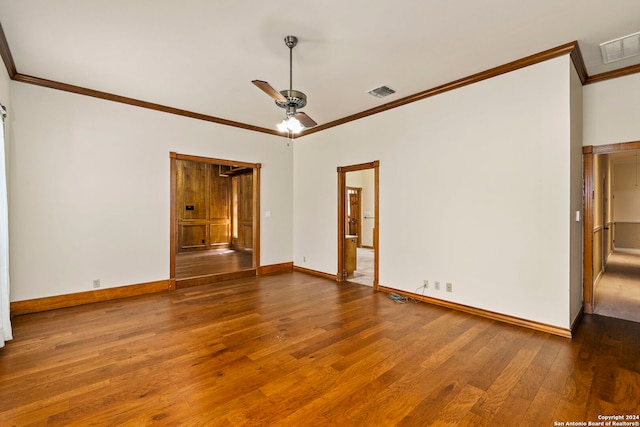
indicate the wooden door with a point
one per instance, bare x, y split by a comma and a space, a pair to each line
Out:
354, 213
243, 211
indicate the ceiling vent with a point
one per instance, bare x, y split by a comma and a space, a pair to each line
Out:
622, 48
382, 91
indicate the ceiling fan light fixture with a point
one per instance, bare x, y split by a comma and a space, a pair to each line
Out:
290, 124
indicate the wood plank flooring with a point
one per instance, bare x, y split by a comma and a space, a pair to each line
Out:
617, 293
297, 350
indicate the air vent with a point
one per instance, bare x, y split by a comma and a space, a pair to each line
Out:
619, 49
382, 91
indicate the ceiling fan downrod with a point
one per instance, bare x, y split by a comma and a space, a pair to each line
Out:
291, 42
294, 98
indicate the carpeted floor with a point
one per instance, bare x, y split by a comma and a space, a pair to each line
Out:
618, 291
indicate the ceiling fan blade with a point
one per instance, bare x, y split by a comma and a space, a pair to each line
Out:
306, 121
269, 90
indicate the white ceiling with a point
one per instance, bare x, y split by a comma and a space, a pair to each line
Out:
201, 55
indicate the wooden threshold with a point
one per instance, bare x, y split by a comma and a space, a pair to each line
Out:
214, 278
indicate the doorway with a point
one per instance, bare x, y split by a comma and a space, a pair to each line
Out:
358, 223
611, 266
214, 220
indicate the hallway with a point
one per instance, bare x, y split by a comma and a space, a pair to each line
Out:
617, 294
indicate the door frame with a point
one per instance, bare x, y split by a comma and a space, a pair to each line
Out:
588, 206
341, 276
173, 215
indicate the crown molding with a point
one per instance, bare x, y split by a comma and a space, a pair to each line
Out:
621, 72
571, 49
7, 58
474, 78
23, 78
578, 63
5, 52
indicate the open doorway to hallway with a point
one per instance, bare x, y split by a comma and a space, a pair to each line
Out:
615, 231
360, 226
358, 223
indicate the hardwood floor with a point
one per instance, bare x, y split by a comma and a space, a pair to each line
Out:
617, 293
297, 350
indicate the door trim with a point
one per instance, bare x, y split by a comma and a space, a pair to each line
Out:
588, 153
173, 214
342, 218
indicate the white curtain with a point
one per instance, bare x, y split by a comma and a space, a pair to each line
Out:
5, 320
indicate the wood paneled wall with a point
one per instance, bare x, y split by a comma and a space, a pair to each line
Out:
214, 206
204, 206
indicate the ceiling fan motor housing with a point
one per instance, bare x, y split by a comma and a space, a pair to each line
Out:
291, 41
295, 99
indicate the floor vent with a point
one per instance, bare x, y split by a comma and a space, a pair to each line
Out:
382, 91
619, 49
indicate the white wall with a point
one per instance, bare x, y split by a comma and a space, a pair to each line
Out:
611, 111
89, 191
474, 190
576, 102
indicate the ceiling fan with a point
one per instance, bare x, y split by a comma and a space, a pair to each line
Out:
291, 100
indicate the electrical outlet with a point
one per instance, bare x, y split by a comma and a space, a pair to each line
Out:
304, 259
449, 287
437, 286
425, 284
96, 284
